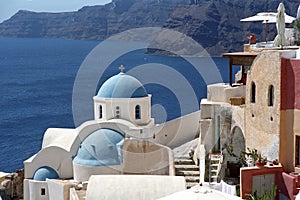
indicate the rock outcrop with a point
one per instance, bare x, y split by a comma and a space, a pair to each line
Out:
12, 185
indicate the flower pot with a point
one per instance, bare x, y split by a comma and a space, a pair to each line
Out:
260, 164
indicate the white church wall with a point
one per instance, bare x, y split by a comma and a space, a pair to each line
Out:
97, 103
54, 157
145, 157
26, 192
59, 189
38, 190
178, 131
60, 137
85, 129
123, 108
83, 173
145, 110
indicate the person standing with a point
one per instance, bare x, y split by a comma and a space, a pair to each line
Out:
252, 39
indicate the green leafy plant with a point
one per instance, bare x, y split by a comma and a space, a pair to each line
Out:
252, 153
261, 158
244, 155
268, 195
296, 25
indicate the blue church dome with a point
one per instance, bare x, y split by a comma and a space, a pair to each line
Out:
122, 86
100, 148
45, 172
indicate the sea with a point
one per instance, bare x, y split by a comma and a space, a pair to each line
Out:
37, 78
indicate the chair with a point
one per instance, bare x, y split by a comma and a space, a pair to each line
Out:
291, 185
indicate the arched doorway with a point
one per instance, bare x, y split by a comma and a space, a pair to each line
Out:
237, 140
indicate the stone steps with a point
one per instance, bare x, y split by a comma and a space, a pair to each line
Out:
190, 184
184, 161
186, 167
214, 167
187, 173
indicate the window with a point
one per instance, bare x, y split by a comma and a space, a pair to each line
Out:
297, 151
43, 191
271, 96
253, 92
138, 112
100, 112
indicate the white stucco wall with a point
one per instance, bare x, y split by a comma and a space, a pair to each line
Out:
178, 131
59, 137
59, 189
221, 92
141, 187
26, 192
215, 123
35, 188
145, 157
54, 157
83, 173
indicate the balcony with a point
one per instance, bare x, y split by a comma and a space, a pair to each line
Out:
222, 92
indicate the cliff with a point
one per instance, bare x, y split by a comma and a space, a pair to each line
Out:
213, 23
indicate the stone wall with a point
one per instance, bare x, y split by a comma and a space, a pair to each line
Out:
263, 120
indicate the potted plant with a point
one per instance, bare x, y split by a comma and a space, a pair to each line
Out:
250, 157
245, 158
296, 24
261, 160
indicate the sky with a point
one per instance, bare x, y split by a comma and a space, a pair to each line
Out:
9, 7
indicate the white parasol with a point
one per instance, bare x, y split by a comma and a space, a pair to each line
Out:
280, 25
267, 17
298, 12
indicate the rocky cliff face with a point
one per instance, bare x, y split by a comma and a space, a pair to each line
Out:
213, 23
11, 187
91, 22
216, 24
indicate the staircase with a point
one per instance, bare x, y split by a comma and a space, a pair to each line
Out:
215, 162
185, 166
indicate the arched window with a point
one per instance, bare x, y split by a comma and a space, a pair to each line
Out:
137, 112
100, 112
253, 92
271, 95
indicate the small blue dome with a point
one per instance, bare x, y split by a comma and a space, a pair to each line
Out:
45, 172
100, 148
122, 86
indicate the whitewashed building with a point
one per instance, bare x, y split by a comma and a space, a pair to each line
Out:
122, 139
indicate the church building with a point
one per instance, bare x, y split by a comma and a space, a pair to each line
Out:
122, 139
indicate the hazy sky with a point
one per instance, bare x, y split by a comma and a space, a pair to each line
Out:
10, 7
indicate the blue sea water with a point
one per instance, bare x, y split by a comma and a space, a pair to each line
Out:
36, 85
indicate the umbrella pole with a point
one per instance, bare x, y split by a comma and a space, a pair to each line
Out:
267, 31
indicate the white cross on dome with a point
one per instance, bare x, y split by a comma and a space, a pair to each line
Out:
122, 68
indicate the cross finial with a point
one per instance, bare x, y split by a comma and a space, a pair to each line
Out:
121, 68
